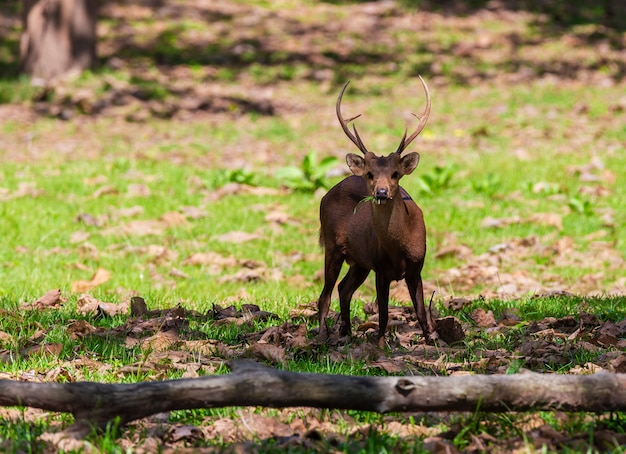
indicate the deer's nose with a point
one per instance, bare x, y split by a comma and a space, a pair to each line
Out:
382, 193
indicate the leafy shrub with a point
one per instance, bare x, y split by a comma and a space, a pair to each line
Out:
310, 176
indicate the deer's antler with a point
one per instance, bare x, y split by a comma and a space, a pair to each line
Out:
355, 138
405, 142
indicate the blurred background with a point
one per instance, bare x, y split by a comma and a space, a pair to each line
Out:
520, 162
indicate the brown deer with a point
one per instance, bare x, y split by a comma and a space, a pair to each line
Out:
387, 235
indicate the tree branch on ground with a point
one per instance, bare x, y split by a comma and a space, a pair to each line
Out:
251, 384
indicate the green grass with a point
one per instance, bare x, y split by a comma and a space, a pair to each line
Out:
491, 149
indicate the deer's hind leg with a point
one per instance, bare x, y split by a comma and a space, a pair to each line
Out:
333, 260
416, 290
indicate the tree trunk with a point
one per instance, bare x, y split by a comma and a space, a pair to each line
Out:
58, 37
250, 384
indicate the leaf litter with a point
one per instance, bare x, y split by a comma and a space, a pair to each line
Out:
169, 342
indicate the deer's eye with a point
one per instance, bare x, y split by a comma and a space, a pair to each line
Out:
395, 175
370, 176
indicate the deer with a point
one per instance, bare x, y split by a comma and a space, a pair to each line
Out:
387, 236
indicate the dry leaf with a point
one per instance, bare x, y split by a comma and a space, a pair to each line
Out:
389, 366
80, 328
174, 219
163, 340
187, 433
457, 303
104, 190
490, 222
548, 219
237, 237
138, 190
449, 330
24, 189
100, 277
144, 227
53, 349
138, 307
209, 258
619, 364
87, 304
244, 275
482, 318
52, 299
268, 352
279, 218
5, 338
79, 237
191, 212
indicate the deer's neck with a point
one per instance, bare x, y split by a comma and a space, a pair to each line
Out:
390, 220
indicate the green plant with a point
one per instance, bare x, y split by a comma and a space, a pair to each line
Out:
437, 180
310, 176
580, 206
489, 185
241, 176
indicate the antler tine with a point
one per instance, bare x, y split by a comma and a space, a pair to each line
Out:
423, 119
344, 123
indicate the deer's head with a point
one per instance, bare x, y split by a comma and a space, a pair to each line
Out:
382, 173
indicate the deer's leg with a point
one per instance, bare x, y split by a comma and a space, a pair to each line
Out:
332, 267
416, 290
348, 285
382, 298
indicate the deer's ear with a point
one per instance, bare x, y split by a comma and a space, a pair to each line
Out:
409, 162
356, 164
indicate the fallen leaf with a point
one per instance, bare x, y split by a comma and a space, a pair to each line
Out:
268, 352
53, 349
483, 318
51, 299
104, 190
619, 364
308, 310
191, 212
24, 189
128, 212
187, 433
100, 277
244, 275
209, 258
173, 219
88, 220
138, 190
138, 307
87, 304
80, 328
548, 219
79, 237
389, 366
64, 442
163, 340
5, 338
457, 303
490, 222
459, 251
279, 217
237, 237
144, 227
449, 330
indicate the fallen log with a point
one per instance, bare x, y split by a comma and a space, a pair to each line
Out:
251, 384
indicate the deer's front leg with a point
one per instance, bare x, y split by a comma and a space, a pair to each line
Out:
348, 285
382, 299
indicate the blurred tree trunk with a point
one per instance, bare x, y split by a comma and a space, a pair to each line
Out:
58, 36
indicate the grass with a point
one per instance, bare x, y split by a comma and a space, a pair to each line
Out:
492, 149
